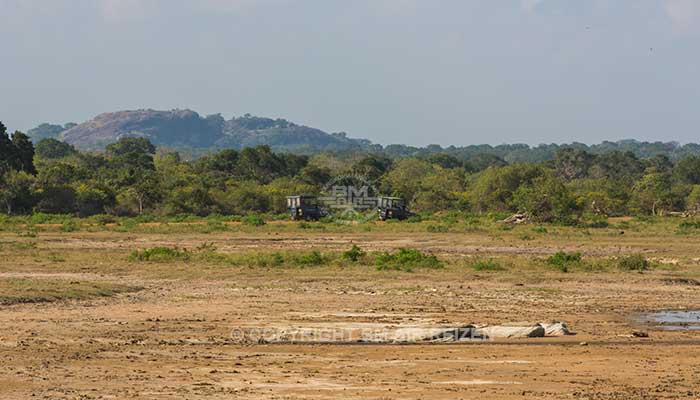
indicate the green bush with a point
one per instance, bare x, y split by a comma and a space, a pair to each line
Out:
539, 229
268, 260
688, 226
564, 260
595, 221
253, 220
70, 226
44, 218
487, 265
354, 254
309, 258
160, 254
406, 260
634, 262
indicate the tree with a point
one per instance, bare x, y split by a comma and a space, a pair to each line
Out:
146, 192
45, 131
692, 202
91, 200
371, 167
16, 191
687, 170
405, 177
445, 161
652, 194
6, 150
51, 149
23, 152
572, 164
439, 190
259, 164
546, 199
315, 175
130, 146
493, 188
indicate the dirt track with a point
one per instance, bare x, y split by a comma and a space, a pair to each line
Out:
173, 339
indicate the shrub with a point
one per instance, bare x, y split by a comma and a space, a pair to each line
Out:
539, 229
354, 254
596, 221
437, 228
103, 219
268, 260
414, 219
688, 225
44, 218
487, 265
70, 226
160, 254
634, 262
253, 220
406, 259
564, 260
309, 258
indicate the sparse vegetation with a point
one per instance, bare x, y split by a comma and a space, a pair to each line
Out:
160, 254
354, 254
634, 262
253, 220
406, 260
487, 265
564, 260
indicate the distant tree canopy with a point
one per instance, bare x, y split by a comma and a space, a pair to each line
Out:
132, 176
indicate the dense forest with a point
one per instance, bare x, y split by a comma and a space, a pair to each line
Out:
133, 177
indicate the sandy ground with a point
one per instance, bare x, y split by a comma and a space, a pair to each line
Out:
176, 338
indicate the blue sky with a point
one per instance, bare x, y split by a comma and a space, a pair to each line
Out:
394, 71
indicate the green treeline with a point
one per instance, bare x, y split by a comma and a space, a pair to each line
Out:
130, 178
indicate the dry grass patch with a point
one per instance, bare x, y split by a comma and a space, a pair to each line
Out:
30, 290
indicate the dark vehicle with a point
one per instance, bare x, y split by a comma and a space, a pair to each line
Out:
305, 208
392, 208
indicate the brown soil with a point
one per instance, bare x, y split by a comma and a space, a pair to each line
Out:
173, 340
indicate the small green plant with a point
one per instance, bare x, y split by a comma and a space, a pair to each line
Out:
160, 254
564, 260
487, 265
29, 234
414, 219
526, 237
688, 226
437, 228
539, 229
406, 260
206, 247
354, 254
56, 258
70, 226
268, 260
597, 221
253, 220
634, 262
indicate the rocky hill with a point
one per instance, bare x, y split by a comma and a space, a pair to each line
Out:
187, 129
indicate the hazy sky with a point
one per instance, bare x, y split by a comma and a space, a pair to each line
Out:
393, 71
